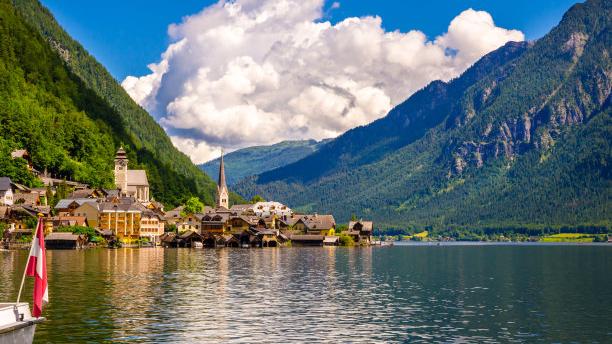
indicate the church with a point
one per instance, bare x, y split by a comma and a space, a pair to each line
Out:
222, 197
131, 183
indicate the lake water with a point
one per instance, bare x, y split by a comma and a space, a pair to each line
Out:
423, 293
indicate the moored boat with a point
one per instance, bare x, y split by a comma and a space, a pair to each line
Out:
17, 325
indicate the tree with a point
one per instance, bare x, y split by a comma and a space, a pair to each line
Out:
193, 206
257, 198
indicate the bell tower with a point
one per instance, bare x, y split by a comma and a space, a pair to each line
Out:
222, 192
121, 166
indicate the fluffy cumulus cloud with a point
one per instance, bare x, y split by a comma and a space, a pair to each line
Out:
250, 72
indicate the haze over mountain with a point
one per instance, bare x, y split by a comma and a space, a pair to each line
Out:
62, 106
255, 160
520, 139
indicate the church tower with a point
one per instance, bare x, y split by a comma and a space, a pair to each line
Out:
222, 193
121, 167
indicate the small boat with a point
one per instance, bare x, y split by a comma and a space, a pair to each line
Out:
386, 243
17, 325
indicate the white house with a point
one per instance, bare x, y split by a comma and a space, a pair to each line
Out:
265, 209
6, 191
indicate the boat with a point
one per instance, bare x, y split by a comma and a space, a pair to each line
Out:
17, 325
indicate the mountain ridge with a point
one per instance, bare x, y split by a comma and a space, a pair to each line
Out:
152, 147
510, 123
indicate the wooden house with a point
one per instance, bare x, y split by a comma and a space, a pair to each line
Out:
64, 240
324, 225
361, 231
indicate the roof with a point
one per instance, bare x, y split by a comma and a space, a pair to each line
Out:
70, 220
65, 203
28, 198
367, 225
5, 183
137, 177
63, 236
318, 221
84, 193
108, 206
307, 237
240, 207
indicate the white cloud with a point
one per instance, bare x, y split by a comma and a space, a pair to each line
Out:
259, 71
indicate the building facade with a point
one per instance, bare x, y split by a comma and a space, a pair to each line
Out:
131, 183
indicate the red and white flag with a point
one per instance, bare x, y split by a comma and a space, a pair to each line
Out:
37, 267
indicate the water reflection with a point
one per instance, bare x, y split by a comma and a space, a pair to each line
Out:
416, 294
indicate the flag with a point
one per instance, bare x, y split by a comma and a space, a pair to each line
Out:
37, 267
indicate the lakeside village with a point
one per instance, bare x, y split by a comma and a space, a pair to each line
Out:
128, 216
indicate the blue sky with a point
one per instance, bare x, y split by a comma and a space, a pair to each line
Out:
127, 35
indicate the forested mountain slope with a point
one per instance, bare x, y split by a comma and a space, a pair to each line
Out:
255, 160
521, 139
68, 111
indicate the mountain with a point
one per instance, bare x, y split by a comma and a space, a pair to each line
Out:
258, 159
63, 106
521, 140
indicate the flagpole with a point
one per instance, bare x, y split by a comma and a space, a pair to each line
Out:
26, 268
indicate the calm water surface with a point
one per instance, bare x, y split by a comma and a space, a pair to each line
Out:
397, 294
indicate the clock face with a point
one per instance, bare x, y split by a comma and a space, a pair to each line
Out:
122, 162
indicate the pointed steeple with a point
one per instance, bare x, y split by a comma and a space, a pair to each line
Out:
222, 173
222, 192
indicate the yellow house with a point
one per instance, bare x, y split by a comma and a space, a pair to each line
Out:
151, 225
122, 219
316, 225
90, 211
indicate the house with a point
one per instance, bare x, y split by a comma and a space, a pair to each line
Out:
89, 210
316, 225
189, 239
242, 209
267, 238
123, 219
6, 191
151, 225
265, 209
237, 224
65, 240
31, 199
66, 207
168, 240
215, 223
174, 215
361, 231
190, 222
88, 193
66, 221
131, 183
307, 239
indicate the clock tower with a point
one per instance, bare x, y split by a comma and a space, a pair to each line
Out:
121, 167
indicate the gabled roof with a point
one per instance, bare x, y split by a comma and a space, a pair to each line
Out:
65, 203
5, 183
317, 222
64, 236
137, 178
367, 225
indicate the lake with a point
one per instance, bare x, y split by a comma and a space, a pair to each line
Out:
414, 293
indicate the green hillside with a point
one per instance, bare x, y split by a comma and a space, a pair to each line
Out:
521, 140
255, 160
58, 102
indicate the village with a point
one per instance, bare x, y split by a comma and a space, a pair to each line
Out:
128, 216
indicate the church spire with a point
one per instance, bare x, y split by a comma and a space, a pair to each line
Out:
222, 173
222, 192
